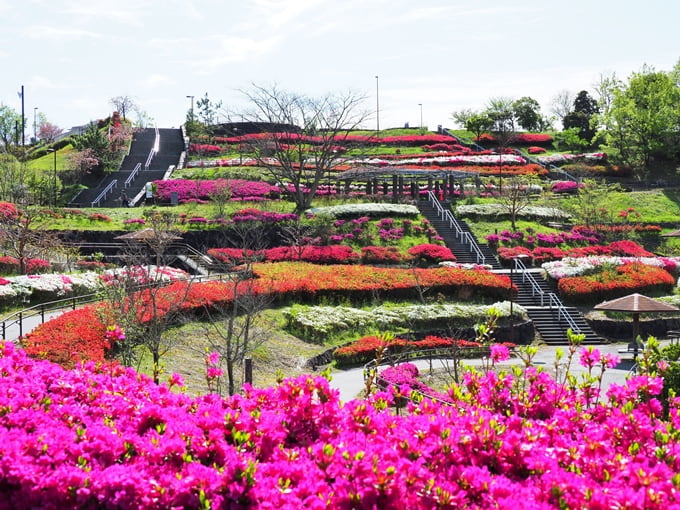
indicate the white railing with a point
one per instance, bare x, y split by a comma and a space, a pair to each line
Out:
148, 159
154, 150
132, 175
102, 195
552, 298
463, 236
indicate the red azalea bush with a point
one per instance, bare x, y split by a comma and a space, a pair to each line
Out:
612, 283
427, 254
333, 254
11, 266
364, 350
536, 150
507, 253
539, 139
381, 255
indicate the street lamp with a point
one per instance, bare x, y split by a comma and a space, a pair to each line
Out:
54, 178
377, 108
35, 124
421, 117
192, 107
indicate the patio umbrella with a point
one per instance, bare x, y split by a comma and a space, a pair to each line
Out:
636, 304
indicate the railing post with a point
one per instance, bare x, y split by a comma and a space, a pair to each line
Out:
21, 324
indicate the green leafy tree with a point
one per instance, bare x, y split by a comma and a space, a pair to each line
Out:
570, 140
582, 117
501, 111
479, 123
644, 120
461, 117
9, 120
528, 113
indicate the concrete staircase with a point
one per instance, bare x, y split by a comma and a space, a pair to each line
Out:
549, 321
548, 316
171, 145
460, 249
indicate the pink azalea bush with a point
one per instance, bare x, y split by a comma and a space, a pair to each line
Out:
101, 436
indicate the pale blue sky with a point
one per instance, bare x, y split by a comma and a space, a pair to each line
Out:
73, 56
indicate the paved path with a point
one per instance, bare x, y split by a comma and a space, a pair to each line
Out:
13, 332
350, 382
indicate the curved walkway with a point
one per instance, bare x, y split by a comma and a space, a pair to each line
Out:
350, 383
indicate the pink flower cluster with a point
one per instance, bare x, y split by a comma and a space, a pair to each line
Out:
188, 189
106, 437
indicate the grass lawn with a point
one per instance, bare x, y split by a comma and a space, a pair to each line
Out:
278, 354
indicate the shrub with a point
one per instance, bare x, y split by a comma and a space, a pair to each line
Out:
426, 254
381, 255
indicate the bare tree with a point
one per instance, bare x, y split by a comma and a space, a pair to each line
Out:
516, 197
309, 134
231, 330
144, 302
562, 104
123, 105
24, 235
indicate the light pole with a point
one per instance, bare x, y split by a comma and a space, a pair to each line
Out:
54, 178
192, 107
377, 108
35, 124
421, 117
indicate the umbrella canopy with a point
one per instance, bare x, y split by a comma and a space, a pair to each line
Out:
675, 233
148, 234
636, 304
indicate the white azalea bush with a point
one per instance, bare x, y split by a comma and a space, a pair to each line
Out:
375, 209
144, 274
41, 288
581, 266
316, 323
497, 211
47, 287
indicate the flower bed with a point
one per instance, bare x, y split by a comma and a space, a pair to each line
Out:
612, 283
106, 437
316, 323
374, 210
299, 282
580, 266
192, 190
364, 350
496, 212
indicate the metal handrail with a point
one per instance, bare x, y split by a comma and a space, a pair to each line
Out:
71, 303
148, 159
464, 236
102, 195
132, 175
553, 300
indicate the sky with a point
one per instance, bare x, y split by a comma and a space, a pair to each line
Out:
429, 56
